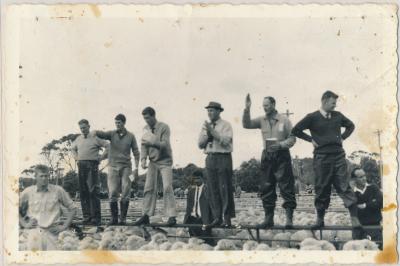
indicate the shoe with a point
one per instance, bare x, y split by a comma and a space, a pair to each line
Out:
86, 221
320, 220
124, 210
95, 221
142, 220
268, 220
171, 221
215, 222
114, 214
289, 218
227, 222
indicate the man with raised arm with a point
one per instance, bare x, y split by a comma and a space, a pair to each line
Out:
325, 126
120, 175
276, 163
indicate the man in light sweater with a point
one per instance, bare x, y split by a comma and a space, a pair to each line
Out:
329, 156
85, 150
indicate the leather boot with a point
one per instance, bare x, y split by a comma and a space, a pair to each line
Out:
124, 210
143, 220
114, 213
289, 218
320, 220
268, 220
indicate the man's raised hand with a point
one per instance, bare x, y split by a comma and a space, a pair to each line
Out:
248, 101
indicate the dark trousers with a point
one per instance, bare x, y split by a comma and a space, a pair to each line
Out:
276, 168
89, 189
331, 169
219, 183
199, 232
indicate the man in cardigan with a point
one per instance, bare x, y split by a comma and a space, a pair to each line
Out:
369, 203
276, 163
329, 156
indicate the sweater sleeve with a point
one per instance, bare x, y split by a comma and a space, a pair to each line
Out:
348, 125
376, 198
302, 125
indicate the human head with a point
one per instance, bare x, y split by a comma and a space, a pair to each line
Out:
269, 104
120, 121
328, 101
42, 175
359, 177
197, 177
149, 116
84, 126
214, 110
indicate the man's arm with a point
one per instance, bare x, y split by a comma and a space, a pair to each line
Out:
67, 202
135, 151
298, 130
164, 139
103, 134
203, 138
25, 221
249, 123
349, 127
74, 149
104, 144
376, 201
290, 139
225, 136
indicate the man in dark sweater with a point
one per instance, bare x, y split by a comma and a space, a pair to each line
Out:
369, 203
120, 174
329, 156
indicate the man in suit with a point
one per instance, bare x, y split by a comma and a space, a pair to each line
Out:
198, 210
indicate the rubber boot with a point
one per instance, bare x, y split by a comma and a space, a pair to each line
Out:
124, 210
268, 220
114, 213
289, 218
320, 220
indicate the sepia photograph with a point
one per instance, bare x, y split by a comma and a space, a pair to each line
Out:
257, 133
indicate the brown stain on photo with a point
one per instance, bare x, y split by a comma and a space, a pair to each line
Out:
95, 10
107, 44
388, 255
100, 256
236, 119
141, 20
390, 207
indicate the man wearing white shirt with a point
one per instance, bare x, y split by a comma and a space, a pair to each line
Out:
198, 209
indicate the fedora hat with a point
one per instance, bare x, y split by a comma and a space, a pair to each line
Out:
215, 105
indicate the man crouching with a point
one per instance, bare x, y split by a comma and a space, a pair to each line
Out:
40, 211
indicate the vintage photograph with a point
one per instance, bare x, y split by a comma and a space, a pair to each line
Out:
267, 132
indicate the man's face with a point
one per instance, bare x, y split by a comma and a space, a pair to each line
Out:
213, 114
329, 104
268, 106
150, 120
361, 178
197, 180
42, 178
119, 124
85, 128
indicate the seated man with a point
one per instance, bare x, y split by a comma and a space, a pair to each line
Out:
198, 209
40, 211
369, 203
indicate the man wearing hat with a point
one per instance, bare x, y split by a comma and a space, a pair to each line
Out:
276, 163
216, 140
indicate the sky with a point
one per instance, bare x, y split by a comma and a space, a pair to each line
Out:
96, 68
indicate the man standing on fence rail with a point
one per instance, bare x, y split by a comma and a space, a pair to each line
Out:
276, 163
157, 147
120, 175
85, 150
216, 139
329, 156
